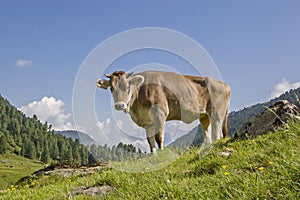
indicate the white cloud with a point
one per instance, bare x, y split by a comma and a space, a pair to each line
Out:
116, 131
282, 87
24, 63
51, 110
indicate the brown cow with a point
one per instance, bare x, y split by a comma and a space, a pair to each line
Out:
153, 97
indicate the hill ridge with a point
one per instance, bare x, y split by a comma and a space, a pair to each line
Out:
237, 118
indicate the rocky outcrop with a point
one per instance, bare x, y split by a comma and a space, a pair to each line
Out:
67, 170
276, 116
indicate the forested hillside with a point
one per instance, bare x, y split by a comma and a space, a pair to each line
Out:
32, 139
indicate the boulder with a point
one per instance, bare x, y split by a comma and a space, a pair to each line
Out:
276, 117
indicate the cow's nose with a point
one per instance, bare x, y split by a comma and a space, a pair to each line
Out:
120, 106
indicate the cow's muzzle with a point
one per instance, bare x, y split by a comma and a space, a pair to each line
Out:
121, 106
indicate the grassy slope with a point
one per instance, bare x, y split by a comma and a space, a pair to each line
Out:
267, 167
13, 168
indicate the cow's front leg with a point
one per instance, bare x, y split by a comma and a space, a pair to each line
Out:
156, 130
151, 138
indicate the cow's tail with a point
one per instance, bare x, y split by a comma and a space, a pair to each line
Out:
224, 127
225, 121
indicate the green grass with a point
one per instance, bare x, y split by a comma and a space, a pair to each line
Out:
13, 168
266, 167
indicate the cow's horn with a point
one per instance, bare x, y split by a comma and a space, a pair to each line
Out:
107, 75
129, 74
104, 84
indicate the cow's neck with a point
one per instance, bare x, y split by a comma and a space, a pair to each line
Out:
133, 99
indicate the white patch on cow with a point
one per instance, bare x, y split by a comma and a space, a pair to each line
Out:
134, 82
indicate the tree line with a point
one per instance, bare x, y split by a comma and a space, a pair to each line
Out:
115, 153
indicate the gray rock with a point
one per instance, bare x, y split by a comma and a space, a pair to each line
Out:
276, 117
99, 191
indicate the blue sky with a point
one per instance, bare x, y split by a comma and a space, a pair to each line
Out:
255, 45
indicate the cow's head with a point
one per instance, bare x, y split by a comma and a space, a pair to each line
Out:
122, 86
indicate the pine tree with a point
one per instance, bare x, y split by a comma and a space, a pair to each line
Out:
45, 157
68, 157
30, 151
54, 152
3, 144
75, 152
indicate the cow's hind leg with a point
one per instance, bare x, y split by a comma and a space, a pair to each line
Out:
216, 127
205, 125
159, 138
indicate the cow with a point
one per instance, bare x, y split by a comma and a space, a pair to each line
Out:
154, 97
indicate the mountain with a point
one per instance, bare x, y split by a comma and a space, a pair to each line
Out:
195, 135
237, 118
84, 138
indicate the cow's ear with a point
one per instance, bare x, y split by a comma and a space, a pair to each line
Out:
103, 84
136, 80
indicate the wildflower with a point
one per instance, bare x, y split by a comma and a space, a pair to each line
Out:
261, 168
12, 188
226, 173
270, 162
224, 167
